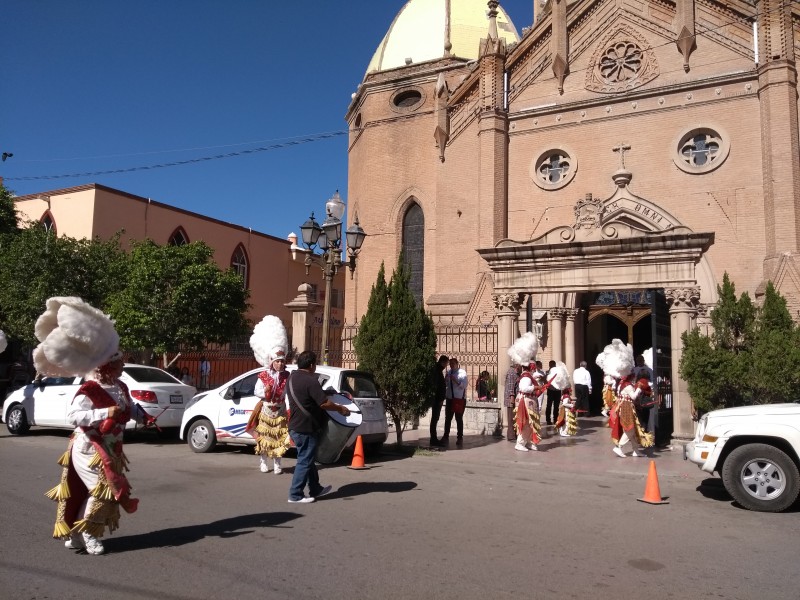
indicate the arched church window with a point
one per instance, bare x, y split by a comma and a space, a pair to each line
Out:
554, 168
414, 248
241, 265
700, 150
178, 238
48, 223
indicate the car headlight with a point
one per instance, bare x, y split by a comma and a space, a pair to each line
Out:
701, 428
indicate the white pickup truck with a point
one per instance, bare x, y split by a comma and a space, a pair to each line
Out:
756, 450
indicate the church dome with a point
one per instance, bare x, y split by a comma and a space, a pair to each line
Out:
419, 32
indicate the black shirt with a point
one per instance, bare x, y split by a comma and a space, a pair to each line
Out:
304, 387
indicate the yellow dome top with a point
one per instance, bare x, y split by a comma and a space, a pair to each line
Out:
418, 32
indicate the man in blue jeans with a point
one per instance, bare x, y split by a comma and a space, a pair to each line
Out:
307, 401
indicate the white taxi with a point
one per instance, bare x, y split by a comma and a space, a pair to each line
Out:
45, 401
219, 416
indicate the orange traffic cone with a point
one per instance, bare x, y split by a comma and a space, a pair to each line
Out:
358, 456
652, 493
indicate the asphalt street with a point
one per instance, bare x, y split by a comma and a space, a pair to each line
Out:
476, 522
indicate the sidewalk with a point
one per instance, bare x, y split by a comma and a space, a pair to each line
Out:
590, 451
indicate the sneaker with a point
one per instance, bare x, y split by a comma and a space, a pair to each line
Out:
618, 451
304, 500
532, 447
278, 470
521, 448
264, 467
604, 412
326, 490
93, 545
75, 542
638, 454
459, 441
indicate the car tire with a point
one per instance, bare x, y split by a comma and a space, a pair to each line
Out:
761, 477
17, 420
201, 436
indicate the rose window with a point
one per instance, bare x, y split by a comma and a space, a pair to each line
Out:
700, 150
621, 62
554, 168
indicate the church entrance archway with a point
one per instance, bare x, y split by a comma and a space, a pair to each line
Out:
622, 243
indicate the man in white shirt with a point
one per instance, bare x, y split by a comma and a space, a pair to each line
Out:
455, 400
582, 381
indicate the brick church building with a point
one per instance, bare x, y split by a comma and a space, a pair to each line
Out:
590, 176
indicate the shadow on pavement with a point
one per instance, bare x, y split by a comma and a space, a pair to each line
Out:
371, 487
178, 536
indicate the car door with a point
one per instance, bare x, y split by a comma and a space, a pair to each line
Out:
238, 402
50, 400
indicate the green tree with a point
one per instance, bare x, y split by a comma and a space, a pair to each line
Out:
752, 357
9, 219
396, 342
176, 295
36, 264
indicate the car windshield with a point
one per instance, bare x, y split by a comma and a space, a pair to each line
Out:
359, 385
149, 375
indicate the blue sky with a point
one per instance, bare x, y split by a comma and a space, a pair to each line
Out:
99, 85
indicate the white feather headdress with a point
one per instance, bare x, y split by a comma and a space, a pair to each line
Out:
524, 349
648, 357
75, 337
561, 381
269, 340
616, 359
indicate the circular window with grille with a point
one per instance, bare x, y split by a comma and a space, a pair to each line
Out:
701, 149
407, 99
554, 168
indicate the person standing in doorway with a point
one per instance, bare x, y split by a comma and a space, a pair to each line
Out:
553, 396
582, 380
439, 396
455, 400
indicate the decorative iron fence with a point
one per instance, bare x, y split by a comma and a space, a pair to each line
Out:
475, 347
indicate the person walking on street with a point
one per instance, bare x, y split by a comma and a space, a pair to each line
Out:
268, 422
455, 400
439, 396
582, 380
307, 403
205, 372
79, 340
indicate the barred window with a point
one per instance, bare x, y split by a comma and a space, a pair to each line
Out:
414, 248
241, 265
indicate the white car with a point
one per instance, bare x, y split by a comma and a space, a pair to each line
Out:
45, 402
219, 416
756, 450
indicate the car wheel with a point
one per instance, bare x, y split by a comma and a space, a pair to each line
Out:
761, 477
17, 420
201, 436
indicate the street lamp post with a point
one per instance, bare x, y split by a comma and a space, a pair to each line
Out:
328, 237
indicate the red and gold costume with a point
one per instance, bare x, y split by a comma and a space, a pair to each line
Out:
271, 428
623, 420
93, 484
526, 413
567, 422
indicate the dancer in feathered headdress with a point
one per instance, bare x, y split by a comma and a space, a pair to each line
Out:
268, 422
79, 340
648, 402
567, 421
526, 414
618, 362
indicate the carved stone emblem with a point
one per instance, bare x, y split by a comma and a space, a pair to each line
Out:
588, 213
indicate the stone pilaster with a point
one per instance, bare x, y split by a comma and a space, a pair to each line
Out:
570, 340
555, 333
506, 308
683, 304
302, 307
